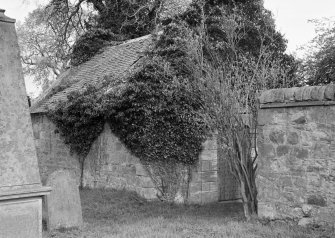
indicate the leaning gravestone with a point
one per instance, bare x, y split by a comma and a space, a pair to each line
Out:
21, 191
63, 203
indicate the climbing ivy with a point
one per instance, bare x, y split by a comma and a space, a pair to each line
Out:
80, 119
157, 113
158, 117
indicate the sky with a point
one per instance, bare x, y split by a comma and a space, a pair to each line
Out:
291, 18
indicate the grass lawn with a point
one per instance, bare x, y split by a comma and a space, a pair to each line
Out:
112, 213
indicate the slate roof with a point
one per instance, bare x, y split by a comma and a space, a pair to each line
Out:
302, 94
112, 61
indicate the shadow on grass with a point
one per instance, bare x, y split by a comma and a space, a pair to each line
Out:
123, 214
120, 206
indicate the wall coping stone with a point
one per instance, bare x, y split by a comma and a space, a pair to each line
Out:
4, 18
298, 96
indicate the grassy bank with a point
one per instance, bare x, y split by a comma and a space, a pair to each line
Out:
112, 213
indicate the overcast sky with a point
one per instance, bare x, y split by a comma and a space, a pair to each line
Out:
291, 17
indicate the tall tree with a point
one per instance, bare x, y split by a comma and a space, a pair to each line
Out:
116, 20
318, 65
241, 54
45, 49
256, 21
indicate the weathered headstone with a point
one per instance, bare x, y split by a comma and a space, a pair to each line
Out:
20, 185
63, 203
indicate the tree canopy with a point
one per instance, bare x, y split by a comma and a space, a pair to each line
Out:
318, 65
46, 42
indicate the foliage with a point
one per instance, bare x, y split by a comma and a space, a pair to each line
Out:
200, 65
44, 50
115, 20
232, 76
258, 30
157, 116
80, 120
157, 113
90, 43
318, 65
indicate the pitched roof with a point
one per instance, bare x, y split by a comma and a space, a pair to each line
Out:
112, 61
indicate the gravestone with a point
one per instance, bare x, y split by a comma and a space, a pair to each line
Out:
20, 185
63, 203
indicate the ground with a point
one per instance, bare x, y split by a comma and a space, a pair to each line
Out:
112, 213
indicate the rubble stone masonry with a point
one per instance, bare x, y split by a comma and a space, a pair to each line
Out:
296, 163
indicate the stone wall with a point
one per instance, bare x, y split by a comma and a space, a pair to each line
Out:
296, 173
110, 165
52, 153
204, 183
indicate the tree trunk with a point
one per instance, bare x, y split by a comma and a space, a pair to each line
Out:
82, 166
245, 201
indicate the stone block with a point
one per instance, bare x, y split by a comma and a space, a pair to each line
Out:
149, 193
317, 200
140, 170
300, 182
293, 138
298, 94
324, 215
208, 155
285, 181
213, 186
266, 210
282, 150
272, 96
145, 182
305, 221
300, 120
206, 187
210, 144
63, 203
318, 115
266, 150
265, 117
308, 93
195, 198
195, 177
318, 93
307, 210
299, 153
289, 94
329, 92
209, 197
209, 176
277, 137
205, 165
214, 165
195, 188
21, 218
306, 138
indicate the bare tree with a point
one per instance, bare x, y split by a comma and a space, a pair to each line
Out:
231, 86
45, 50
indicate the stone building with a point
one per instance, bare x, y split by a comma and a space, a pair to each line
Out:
109, 164
296, 163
